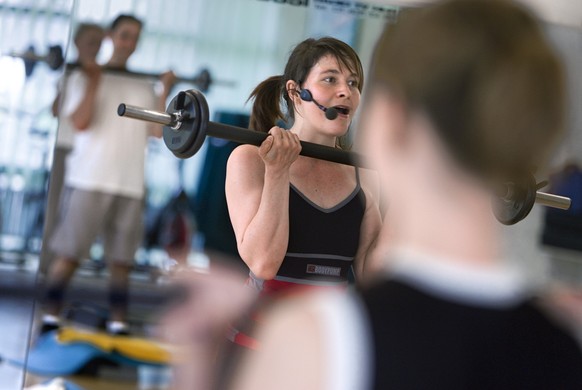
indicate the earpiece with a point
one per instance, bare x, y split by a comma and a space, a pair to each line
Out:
305, 95
330, 112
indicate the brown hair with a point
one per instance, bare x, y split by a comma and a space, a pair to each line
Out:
124, 18
82, 28
486, 77
270, 93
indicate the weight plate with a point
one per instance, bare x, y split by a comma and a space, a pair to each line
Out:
518, 206
29, 61
203, 80
203, 117
55, 58
179, 140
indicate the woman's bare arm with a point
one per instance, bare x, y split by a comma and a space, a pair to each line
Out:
257, 194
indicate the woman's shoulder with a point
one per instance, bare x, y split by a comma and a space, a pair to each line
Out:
246, 152
245, 156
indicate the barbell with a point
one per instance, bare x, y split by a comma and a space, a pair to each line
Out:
55, 60
518, 197
186, 125
203, 80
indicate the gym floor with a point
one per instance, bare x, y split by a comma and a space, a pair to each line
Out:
18, 286
15, 321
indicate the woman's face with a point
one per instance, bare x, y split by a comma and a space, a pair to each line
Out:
331, 85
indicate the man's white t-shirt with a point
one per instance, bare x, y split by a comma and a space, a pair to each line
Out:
109, 156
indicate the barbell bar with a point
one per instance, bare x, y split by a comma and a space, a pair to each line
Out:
202, 80
186, 125
55, 60
551, 200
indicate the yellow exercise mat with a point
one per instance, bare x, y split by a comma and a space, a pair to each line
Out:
137, 348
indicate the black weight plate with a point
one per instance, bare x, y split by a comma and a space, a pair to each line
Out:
180, 140
530, 197
202, 120
203, 80
511, 211
29, 61
188, 132
182, 156
55, 58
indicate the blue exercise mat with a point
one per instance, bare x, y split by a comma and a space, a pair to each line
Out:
49, 357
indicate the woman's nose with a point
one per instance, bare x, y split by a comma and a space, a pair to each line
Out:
344, 90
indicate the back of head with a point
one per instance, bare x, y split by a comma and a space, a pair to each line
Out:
88, 38
269, 94
485, 76
84, 28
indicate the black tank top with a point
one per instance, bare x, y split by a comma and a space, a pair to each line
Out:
322, 242
321, 250
424, 342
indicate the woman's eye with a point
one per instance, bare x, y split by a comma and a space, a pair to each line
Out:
329, 79
353, 83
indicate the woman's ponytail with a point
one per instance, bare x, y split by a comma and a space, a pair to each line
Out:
266, 109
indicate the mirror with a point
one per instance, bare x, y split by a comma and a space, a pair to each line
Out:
27, 132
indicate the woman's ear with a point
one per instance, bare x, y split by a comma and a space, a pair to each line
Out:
292, 89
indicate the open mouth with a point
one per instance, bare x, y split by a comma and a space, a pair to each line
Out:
342, 110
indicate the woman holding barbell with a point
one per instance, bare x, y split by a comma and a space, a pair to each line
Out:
301, 221
464, 94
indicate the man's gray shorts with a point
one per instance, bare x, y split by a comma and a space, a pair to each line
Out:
86, 215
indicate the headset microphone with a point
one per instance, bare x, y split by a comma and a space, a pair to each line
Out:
330, 112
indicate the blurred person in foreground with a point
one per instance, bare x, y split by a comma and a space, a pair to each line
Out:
463, 96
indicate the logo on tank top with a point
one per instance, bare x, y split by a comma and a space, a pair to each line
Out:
323, 270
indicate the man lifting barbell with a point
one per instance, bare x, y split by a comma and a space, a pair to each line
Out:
104, 194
